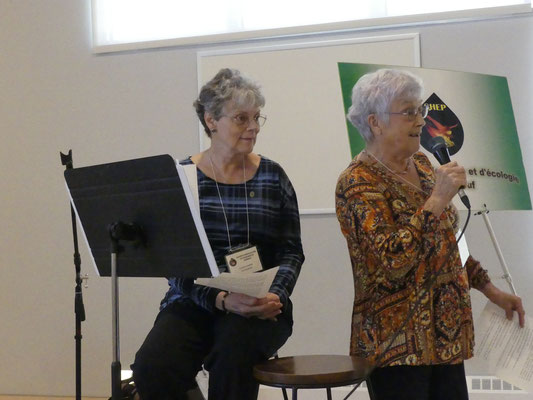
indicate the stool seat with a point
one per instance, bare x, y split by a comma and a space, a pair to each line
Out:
312, 371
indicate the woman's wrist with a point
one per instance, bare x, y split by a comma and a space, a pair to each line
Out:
221, 301
490, 291
434, 205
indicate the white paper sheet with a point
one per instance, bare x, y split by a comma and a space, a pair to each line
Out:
507, 348
190, 188
464, 253
254, 284
190, 173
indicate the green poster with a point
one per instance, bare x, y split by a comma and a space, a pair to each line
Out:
474, 114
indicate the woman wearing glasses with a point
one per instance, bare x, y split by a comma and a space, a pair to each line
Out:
412, 315
246, 202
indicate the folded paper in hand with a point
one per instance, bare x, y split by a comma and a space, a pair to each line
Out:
255, 284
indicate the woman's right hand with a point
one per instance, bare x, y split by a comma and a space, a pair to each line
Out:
450, 178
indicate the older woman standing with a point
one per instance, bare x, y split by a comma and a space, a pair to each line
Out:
396, 214
245, 200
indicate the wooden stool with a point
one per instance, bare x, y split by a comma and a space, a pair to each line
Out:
312, 372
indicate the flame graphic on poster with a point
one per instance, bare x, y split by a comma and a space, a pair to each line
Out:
442, 121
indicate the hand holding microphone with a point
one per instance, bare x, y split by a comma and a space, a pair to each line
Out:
451, 177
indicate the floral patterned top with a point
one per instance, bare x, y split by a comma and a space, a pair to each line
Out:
396, 249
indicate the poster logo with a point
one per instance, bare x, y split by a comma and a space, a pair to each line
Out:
442, 121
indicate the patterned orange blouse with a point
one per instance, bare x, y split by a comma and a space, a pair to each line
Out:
396, 248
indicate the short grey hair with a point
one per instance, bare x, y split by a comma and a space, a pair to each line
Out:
374, 92
227, 85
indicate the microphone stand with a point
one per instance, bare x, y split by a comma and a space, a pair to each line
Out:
119, 231
79, 309
506, 273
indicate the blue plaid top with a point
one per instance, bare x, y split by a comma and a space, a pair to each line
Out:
274, 230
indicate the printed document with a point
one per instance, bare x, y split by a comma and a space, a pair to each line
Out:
506, 348
254, 284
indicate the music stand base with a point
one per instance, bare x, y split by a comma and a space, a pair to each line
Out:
116, 390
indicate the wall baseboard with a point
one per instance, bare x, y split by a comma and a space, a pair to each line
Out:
479, 388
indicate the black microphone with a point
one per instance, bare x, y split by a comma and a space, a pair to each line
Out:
440, 151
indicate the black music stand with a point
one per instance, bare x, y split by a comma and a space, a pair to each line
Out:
140, 212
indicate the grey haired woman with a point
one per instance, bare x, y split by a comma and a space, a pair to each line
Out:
246, 202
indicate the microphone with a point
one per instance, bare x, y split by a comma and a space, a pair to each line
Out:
440, 151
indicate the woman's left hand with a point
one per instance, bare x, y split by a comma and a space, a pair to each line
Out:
509, 302
267, 307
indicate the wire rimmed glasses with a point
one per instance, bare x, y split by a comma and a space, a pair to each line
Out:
412, 113
245, 120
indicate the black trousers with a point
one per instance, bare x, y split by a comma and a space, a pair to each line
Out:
428, 382
185, 337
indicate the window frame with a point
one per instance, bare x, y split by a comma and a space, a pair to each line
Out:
310, 30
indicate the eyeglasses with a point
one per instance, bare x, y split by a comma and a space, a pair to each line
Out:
412, 113
244, 119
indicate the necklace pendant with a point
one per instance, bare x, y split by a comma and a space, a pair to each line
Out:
406, 170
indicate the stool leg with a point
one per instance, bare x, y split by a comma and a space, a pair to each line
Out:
294, 393
328, 390
284, 394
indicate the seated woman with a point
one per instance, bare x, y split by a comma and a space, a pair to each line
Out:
412, 314
245, 200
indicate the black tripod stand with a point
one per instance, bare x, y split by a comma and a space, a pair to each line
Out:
79, 309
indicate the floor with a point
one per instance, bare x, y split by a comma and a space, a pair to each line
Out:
5, 397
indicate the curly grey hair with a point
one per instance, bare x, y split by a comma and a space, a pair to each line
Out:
227, 85
374, 93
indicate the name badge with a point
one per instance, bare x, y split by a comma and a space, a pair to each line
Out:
244, 260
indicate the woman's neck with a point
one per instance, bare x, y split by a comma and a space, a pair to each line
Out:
396, 162
227, 164
231, 169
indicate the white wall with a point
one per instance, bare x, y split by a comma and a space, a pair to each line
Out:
56, 95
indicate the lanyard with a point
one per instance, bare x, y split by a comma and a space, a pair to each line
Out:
222, 204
